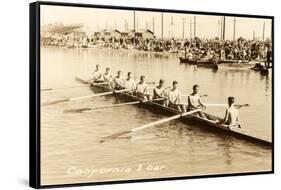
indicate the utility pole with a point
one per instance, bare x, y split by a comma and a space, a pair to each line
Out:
146, 25
172, 23
183, 23
263, 31
134, 20
219, 29
162, 25
190, 29
153, 25
254, 35
223, 28
194, 26
234, 28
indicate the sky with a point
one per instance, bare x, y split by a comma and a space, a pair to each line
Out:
174, 24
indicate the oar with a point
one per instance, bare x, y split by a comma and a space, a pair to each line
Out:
225, 105
84, 97
186, 95
86, 85
150, 124
79, 110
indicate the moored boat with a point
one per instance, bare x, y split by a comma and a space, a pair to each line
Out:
200, 63
191, 119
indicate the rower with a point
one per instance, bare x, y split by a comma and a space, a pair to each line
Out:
231, 117
160, 92
118, 81
107, 77
194, 102
130, 83
141, 89
97, 75
174, 98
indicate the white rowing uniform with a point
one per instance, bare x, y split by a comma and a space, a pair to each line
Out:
107, 77
159, 92
174, 96
231, 116
194, 101
141, 88
130, 84
119, 82
97, 76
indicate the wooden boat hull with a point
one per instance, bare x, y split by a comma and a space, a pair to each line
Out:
191, 119
200, 63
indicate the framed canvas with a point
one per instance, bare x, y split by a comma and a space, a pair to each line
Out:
127, 94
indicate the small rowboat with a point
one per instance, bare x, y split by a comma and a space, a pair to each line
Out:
190, 119
200, 63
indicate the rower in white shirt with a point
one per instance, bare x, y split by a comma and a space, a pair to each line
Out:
174, 98
107, 77
160, 92
195, 102
130, 83
97, 75
118, 81
142, 89
231, 117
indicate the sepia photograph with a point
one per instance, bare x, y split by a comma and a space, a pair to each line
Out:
145, 94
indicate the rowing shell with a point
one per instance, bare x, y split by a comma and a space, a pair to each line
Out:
192, 119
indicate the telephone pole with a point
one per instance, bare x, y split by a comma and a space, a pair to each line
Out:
263, 31
183, 23
153, 25
134, 20
223, 28
219, 29
190, 29
234, 28
194, 26
172, 23
162, 25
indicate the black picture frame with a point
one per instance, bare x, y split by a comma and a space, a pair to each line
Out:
34, 92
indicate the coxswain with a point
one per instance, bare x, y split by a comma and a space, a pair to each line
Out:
194, 102
231, 117
174, 98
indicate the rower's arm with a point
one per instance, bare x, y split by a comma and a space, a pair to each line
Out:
145, 90
238, 118
226, 116
201, 103
178, 100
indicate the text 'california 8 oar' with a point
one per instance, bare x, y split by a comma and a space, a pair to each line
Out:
150, 125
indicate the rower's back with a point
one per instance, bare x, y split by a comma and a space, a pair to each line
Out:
232, 115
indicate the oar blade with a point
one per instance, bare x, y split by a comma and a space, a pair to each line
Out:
46, 89
114, 136
78, 110
54, 102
